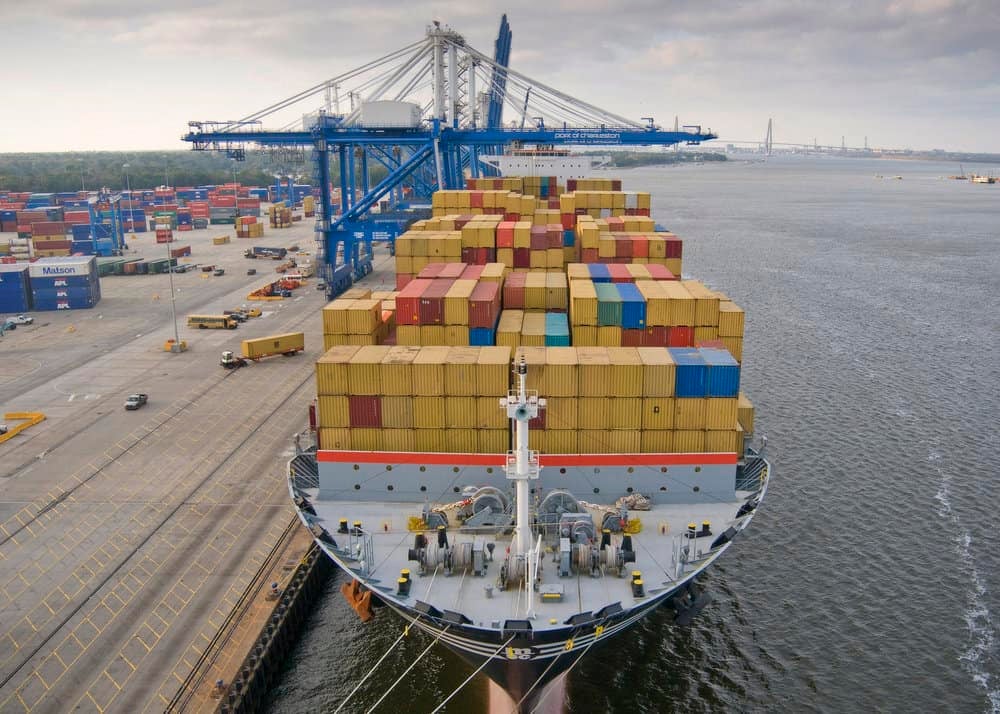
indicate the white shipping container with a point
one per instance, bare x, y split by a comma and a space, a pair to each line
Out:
54, 267
390, 114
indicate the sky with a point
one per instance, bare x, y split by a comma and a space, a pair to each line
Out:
129, 75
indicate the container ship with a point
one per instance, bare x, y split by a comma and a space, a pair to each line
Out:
539, 437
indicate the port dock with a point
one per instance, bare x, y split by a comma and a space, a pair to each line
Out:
128, 538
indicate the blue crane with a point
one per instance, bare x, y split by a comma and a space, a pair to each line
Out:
425, 134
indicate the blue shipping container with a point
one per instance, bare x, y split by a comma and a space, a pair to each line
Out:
64, 281
556, 329
633, 306
569, 238
482, 337
723, 372
63, 304
14, 293
599, 273
691, 373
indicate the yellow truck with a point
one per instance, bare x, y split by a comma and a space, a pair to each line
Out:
287, 344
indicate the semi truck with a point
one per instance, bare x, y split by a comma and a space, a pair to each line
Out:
260, 251
287, 344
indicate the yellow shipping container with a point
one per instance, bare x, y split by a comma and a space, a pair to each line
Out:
626, 413
731, 319
656, 441
533, 329
330, 341
335, 316
363, 316
398, 440
735, 346
460, 412
331, 370
609, 336
408, 335
506, 257
658, 371
720, 412
690, 413
585, 336
356, 293
456, 302
397, 370
432, 440
432, 335
397, 412
460, 371
625, 373
594, 413
555, 258
493, 273
612, 442
725, 441
657, 413
561, 413
537, 261
673, 265
489, 415
366, 439
582, 302
561, 373
557, 441
594, 372
522, 234
657, 303
493, 441
428, 372
493, 372
456, 335
534, 291
372, 339
577, 271
556, 291
689, 441
704, 334
706, 309
429, 412
509, 328
333, 412
744, 413
682, 304
637, 271
534, 357
335, 439
364, 370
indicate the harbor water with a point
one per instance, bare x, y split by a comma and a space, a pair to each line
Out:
870, 580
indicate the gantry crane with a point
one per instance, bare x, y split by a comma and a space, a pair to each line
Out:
418, 112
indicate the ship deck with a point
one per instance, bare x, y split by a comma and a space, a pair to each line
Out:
658, 545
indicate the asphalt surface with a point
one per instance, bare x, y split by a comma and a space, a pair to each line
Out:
127, 537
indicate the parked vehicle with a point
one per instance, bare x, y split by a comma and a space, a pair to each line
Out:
260, 251
212, 322
252, 271
21, 320
237, 315
231, 361
136, 401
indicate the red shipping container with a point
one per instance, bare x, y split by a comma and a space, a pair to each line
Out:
451, 271
48, 228
623, 248
571, 184
180, 252
522, 257
539, 421
554, 235
659, 272
485, 255
512, 217
680, 336
513, 291
616, 224
656, 336
430, 271
711, 344
223, 202
460, 221
432, 302
476, 199
633, 338
539, 238
185, 227
472, 272
619, 273
365, 411
484, 305
469, 255
76, 217
640, 247
402, 280
589, 255
408, 302
505, 234
568, 221
616, 184
673, 247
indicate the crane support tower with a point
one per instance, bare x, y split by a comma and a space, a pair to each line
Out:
426, 134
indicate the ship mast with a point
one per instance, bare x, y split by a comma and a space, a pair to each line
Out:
522, 464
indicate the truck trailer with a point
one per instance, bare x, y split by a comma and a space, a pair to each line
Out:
287, 344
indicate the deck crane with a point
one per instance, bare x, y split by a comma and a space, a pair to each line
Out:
418, 112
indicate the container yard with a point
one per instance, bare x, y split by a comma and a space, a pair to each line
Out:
129, 537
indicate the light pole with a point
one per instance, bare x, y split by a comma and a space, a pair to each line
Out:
128, 187
176, 347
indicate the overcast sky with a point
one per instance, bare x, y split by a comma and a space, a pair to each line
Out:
117, 74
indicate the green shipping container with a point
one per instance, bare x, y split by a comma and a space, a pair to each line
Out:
609, 305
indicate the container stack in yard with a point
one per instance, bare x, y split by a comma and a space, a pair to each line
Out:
15, 295
64, 283
630, 358
249, 227
279, 216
